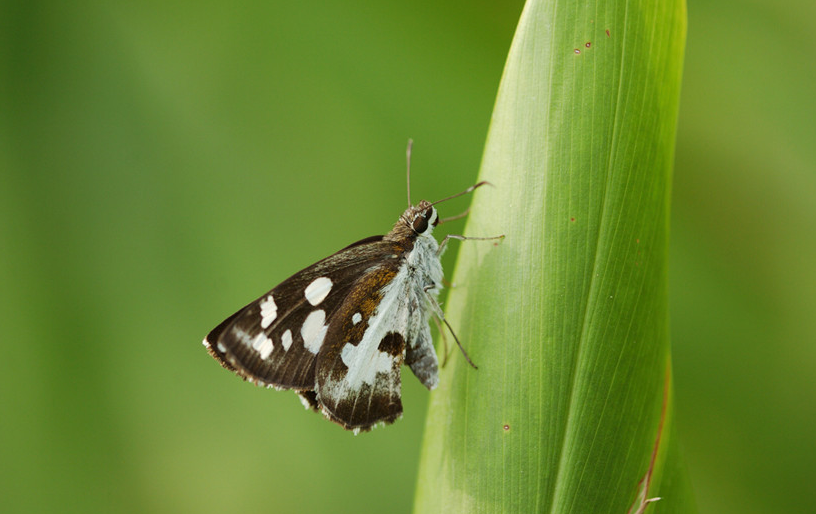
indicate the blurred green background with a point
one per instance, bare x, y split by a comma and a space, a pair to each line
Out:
163, 164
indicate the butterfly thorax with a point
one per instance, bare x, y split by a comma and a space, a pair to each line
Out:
421, 271
408, 296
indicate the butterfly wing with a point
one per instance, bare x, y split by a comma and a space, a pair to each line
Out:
358, 374
275, 340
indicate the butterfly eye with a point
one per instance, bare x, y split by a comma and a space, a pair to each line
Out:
420, 224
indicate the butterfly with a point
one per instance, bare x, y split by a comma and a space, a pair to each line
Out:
339, 331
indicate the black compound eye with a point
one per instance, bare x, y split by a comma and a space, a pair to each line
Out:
420, 224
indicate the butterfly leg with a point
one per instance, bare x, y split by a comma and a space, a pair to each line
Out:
445, 350
444, 242
453, 218
438, 311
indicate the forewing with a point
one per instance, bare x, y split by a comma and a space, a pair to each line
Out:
275, 339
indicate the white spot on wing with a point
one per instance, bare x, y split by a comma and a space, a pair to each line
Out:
356, 318
266, 348
314, 331
364, 365
317, 291
286, 340
242, 336
262, 345
221, 348
269, 311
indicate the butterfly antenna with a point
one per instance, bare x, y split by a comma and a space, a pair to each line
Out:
466, 191
408, 165
453, 218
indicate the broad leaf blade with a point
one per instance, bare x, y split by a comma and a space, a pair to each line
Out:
567, 318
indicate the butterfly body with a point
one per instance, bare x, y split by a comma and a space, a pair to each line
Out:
339, 331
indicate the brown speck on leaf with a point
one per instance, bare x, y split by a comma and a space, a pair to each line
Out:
506, 428
588, 44
577, 51
607, 32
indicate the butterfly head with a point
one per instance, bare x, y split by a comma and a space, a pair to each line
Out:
421, 218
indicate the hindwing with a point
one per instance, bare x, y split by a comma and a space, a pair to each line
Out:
358, 375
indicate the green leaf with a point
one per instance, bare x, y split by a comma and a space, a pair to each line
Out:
567, 318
